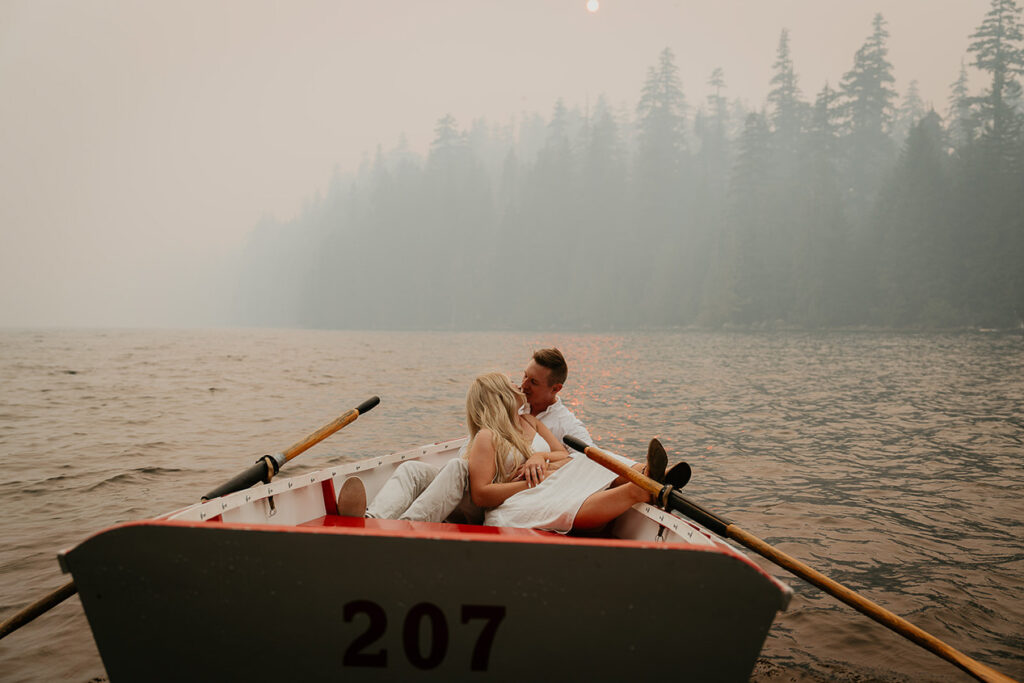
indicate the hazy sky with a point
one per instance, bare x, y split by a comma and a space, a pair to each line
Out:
141, 141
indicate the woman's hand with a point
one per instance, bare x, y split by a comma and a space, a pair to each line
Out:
535, 469
484, 491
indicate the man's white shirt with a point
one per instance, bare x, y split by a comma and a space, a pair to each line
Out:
561, 421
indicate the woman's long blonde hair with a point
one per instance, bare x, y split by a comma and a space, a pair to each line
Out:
492, 402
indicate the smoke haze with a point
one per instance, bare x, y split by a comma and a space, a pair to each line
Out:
142, 144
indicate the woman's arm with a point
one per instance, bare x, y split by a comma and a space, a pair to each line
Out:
536, 468
558, 450
482, 489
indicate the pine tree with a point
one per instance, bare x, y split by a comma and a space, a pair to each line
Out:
963, 123
746, 288
718, 105
712, 130
604, 156
662, 193
455, 217
868, 97
602, 213
713, 160
824, 128
556, 156
910, 111
448, 148
825, 292
915, 262
784, 97
661, 118
997, 49
993, 188
867, 87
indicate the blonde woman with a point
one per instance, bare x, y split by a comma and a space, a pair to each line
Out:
581, 495
507, 450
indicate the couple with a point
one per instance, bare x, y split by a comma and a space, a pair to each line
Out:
518, 472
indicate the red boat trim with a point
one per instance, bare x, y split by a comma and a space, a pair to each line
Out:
330, 497
358, 526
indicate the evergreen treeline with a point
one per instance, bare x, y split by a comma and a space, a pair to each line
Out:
851, 207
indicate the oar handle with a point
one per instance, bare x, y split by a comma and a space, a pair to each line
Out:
267, 466
38, 607
722, 527
264, 469
328, 429
664, 493
867, 607
609, 461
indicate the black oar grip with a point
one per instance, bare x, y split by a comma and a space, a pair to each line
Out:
258, 473
575, 444
675, 501
708, 519
368, 404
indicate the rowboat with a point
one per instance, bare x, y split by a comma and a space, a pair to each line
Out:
270, 582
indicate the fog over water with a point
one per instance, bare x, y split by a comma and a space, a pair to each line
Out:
785, 236
208, 164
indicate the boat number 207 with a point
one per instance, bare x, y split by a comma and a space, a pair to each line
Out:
422, 652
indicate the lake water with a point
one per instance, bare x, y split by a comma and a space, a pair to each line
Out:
891, 463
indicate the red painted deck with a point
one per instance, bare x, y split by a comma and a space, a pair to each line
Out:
419, 528
473, 532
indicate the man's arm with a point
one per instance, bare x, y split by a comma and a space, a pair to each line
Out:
567, 424
571, 426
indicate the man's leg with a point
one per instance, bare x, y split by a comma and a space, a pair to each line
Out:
401, 489
443, 495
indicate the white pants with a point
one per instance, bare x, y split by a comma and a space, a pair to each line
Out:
420, 492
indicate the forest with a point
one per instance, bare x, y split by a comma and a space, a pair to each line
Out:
853, 207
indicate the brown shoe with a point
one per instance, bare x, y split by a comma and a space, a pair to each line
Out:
678, 475
657, 461
352, 498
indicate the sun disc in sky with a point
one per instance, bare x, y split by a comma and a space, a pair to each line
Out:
593, 6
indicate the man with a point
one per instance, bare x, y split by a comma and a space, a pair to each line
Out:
422, 492
542, 380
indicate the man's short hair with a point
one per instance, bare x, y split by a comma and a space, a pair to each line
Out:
553, 360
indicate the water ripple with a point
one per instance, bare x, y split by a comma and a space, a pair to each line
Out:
889, 462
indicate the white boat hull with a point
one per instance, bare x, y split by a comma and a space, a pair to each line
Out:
237, 588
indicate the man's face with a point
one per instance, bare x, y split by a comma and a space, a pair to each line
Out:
535, 386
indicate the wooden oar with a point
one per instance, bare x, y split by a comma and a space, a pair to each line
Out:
671, 499
264, 468
267, 466
38, 607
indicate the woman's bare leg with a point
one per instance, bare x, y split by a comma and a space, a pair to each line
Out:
622, 480
604, 506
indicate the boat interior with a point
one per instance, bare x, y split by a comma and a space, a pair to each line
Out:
310, 500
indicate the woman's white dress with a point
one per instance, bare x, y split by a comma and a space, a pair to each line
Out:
554, 503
